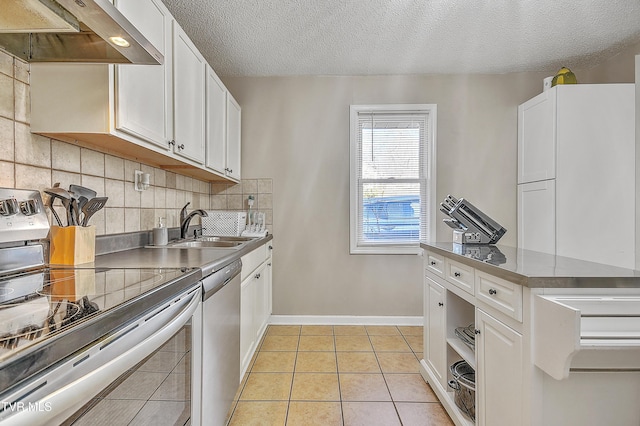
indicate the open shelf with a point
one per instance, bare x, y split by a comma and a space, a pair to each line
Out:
465, 352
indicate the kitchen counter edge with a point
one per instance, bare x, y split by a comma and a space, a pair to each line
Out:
540, 270
208, 260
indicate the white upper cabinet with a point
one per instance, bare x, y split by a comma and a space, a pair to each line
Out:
223, 120
234, 120
582, 137
188, 97
155, 113
537, 138
144, 92
216, 120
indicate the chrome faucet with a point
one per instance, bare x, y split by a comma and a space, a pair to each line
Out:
185, 219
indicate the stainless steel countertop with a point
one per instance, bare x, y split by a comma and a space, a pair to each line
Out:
535, 269
208, 259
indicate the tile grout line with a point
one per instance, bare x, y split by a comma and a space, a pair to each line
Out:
337, 370
293, 375
395, 408
335, 351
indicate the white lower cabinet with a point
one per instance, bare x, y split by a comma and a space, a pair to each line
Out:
436, 345
499, 372
255, 301
247, 335
489, 308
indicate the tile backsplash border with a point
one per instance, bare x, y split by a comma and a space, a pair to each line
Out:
32, 161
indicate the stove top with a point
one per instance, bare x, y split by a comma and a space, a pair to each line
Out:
49, 313
41, 304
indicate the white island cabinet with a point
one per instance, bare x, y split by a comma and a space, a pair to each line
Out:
557, 340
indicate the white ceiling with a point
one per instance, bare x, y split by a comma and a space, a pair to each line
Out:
370, 37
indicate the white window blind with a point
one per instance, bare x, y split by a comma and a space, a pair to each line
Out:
390, 150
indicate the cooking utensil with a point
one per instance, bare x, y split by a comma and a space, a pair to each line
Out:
82, 191
50, 205
64, 196
82, 200
91, 207
75, 211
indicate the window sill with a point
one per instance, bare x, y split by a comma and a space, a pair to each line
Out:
412, 249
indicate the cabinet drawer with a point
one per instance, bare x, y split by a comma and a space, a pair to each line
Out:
252, 260
459, 275
500, 294
434, 263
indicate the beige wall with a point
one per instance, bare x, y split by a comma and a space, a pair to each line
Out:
296, 130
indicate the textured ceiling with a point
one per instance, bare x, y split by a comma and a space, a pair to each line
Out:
371, 37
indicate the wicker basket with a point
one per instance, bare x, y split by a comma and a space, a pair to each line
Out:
464, 385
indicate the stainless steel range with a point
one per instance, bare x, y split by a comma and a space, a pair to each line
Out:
67, 333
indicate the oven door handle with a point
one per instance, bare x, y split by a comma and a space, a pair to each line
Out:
61, 402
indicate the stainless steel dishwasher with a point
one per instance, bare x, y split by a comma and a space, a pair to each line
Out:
220, 343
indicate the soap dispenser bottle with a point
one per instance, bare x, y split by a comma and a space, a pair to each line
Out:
161, 233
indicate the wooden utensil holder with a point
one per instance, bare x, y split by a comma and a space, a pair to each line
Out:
72, 245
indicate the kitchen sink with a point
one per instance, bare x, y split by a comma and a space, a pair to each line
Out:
208, 242
225, 239
205, 244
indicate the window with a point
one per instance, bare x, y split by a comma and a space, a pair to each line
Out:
392, 177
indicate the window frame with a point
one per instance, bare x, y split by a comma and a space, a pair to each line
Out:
430, 175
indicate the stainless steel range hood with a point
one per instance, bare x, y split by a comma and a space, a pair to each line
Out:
92, 31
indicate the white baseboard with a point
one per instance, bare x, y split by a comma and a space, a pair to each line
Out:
343, 320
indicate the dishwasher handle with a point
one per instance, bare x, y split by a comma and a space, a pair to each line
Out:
216, 281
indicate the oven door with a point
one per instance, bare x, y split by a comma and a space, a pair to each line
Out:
110, 378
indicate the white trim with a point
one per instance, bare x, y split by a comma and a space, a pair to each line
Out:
344, 320
431, 137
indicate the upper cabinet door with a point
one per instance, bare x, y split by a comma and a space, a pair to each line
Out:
537, 138
234, 121
143, 92
216, 120
189, 94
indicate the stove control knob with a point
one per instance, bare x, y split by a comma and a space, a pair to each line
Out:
8, 207
29, 207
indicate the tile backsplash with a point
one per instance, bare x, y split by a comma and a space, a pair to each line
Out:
32, 161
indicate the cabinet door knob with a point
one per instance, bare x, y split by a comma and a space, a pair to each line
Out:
257, 277
171, 143
440, 304
456, 274
493, 291
433, 263
181, 146
476, 331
